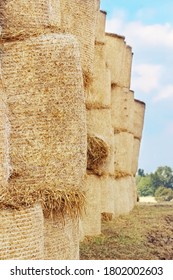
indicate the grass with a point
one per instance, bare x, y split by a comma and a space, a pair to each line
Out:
145, 234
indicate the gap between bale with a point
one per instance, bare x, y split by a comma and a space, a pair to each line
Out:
121, 174
97, 152
87, 79
54, 201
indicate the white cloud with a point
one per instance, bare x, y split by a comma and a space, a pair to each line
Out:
139, 34
165, 93
146, 77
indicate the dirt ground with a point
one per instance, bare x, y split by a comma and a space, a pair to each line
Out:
145, 234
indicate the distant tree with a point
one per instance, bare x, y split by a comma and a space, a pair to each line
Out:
141, 172
163, 194
163, 176
144, 186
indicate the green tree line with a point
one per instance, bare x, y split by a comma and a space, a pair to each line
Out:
158, 184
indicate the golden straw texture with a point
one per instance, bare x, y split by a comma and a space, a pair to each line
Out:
4, 143
99, 93
78, 17
54, 201
97, 152
21, 234
42, 80
139, 111
119, 59
20, 19
61, 238
91, 221
123, 153
122, 109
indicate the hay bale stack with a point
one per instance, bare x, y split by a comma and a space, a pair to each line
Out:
119, 59
91, 220
20, 19
61, 238
123, 193
98, 95
139, 110
99, 126
21, 234
42, 78
123, 142
122, 109
78, 17
136, 149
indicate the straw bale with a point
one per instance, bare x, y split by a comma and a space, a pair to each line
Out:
22, 234
135, 158
20, 19
107, 195
100, 26
91, 221
123, 142
4, 145
78, 17
42, 78
119, 59
61, 237
99, 125
139, 111
99, 93
123, 195
122, 109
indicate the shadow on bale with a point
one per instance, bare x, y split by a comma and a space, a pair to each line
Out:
97, 153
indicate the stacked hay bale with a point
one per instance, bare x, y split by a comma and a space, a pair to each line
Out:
43, 86
119, 60
139, 111
35, 18
78, 17
100, 157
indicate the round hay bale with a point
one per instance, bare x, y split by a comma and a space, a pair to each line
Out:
20, 19
122, 109
78, 17
123, 195
101, 23
119, 59
91, 220
99, 94
107, 196
99, 125
139, 111
61, 238
22, 234
123, 154
97, 152
42, 79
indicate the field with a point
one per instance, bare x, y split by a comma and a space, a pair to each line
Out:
145, 234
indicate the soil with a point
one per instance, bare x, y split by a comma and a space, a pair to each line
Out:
144, 234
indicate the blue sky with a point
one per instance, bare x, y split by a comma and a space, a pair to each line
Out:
148, 28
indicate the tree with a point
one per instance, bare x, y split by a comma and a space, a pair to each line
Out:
163, 194
141, 172
163, 176
145, 186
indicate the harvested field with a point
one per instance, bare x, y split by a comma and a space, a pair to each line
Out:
145, 234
